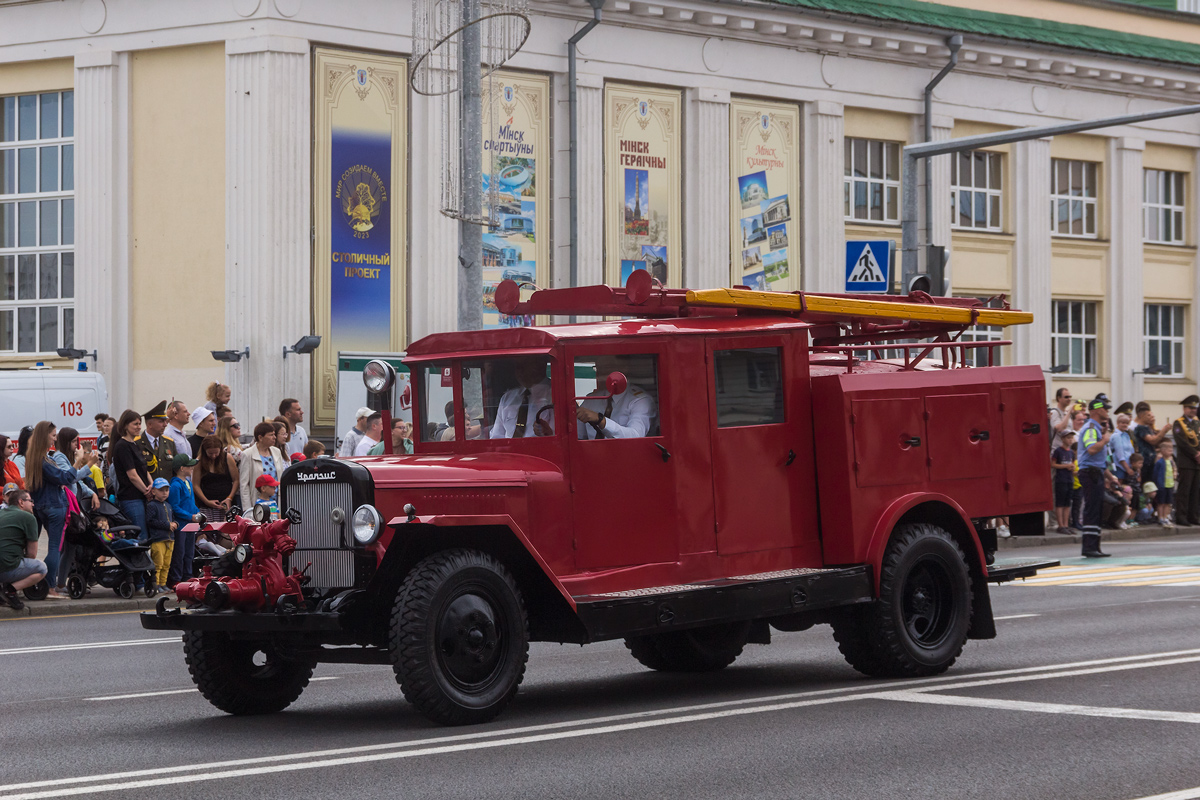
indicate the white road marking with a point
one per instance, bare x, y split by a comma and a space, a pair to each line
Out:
555, 731
58, 648
1017, 616
1182, 794
190, 690
1042, 708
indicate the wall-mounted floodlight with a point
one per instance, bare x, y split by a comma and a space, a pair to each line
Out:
1156, 369
1058, 369
303, 347
231, 356
76, 353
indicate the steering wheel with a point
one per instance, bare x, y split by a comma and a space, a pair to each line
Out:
537, 418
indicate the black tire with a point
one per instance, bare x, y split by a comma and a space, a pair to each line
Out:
459, 637
76, 587
39, 591
918, 626
228, 673
125, 588
705, 649
150, 589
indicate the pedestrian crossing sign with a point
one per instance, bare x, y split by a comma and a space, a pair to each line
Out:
868, 266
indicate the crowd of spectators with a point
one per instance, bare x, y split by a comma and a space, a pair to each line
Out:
1118, 469
160, 469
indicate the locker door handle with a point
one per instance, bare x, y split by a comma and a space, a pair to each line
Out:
791, 457
980, 436
915, 441
1031, 427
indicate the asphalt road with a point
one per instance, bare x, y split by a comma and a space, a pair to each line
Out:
1088, 692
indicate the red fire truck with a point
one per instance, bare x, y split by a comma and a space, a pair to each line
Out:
687, 474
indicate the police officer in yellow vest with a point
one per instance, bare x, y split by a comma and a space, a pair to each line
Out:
158, 450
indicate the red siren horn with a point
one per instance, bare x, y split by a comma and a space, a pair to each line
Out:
508, 296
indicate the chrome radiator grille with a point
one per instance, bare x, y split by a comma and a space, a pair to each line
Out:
330, 568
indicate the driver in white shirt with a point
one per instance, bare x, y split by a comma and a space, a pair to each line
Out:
517, 414
625, 416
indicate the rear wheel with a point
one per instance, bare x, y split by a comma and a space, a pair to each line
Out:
39, 591
705, 649
243, 677
918, 626
459, 637
125, 588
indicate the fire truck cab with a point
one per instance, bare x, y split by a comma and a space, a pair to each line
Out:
696, 471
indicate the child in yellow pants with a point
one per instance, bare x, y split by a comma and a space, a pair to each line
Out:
162, 531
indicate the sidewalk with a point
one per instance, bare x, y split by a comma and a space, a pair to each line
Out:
103, 601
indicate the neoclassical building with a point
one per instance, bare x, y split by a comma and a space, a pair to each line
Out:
182, 177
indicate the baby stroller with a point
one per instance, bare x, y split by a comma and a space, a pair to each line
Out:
93, 552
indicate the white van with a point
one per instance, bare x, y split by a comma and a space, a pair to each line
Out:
65, 397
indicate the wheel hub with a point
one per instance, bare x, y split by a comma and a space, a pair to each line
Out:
927, 604
468, 639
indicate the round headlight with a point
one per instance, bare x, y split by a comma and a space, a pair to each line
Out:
367, 524
378, 376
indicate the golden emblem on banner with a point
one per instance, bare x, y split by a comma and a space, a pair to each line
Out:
362, 195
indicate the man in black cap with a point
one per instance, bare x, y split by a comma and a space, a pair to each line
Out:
158, 450
1092, 459
1186, 431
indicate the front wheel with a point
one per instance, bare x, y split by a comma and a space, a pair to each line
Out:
76, 587
243, 677
459, 637
918, 626
39, 591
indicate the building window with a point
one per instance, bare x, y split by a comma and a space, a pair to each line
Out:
872, 187
978, 356
1073, 336
976, 190
1163, 336
37, 223
1073, 198
1163, 208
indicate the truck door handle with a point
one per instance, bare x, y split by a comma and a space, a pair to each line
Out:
980, 436
1031, 427
791, 457
915, 441
666, 454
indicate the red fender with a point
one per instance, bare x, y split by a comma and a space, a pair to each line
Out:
476, 520
899, 507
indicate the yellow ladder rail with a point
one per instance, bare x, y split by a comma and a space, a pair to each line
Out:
791, 303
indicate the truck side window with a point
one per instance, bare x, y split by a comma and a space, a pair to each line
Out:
749, 386
437, 403
631, 415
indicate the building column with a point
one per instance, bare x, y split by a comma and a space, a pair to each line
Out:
433, 299
824, 217
1123, 316
1031, 252
102, 320
590, 99
268, 229
706, 190
943, 129
1192, 344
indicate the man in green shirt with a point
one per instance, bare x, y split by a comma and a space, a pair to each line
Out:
19, 569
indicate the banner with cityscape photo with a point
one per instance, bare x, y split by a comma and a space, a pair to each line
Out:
359, 188
764, 143
516, 163
643, 218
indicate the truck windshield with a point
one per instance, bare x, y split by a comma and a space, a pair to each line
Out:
507, 397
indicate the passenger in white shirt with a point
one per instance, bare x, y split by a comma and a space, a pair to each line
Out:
372, 435
532, 395
625, 416
291, 410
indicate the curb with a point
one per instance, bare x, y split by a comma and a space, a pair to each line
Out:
59, 608
1131, 534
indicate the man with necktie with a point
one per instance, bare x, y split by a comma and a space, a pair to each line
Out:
517, 414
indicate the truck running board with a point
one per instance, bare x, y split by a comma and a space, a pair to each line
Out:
769, 594
1003, 571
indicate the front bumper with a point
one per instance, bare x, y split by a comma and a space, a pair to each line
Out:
238, 622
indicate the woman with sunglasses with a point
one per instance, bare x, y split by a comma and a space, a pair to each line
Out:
228, 431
